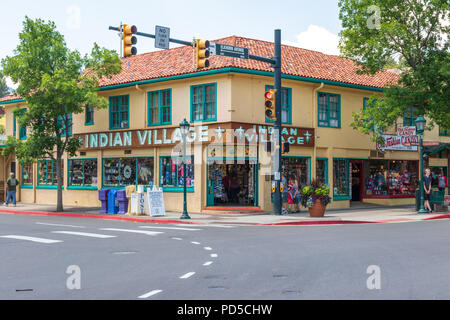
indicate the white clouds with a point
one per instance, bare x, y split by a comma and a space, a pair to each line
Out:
318, 39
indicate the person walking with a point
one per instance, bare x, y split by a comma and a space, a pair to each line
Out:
284, 194
442, 181
11, 183
427, 179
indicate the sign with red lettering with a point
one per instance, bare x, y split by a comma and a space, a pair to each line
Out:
399, 143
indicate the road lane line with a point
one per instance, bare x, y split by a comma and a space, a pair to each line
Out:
85, 234
150, 233
205, 225
149, 294
214, 255
195, 242
207, 248
187, 275
33, 239
59, 225
208, 263
179, 239
171, 228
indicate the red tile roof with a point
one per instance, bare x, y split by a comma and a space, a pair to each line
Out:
296, 62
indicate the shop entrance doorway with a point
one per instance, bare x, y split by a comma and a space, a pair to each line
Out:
231, 185
357, 180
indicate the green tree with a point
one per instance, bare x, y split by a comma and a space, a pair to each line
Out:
56, 82
4, 89
416, 33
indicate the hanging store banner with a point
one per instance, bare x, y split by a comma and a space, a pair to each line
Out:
224, 133
398, 143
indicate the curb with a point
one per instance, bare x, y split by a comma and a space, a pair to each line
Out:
103, 217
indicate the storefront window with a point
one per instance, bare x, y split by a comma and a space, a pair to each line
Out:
47, 172
390, 177
27, 174
298, 168
83, 173
322, 170
171, 171
122, 172
341, 178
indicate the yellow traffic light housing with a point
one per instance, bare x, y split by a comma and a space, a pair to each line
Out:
202, 54
129, 40
270, 104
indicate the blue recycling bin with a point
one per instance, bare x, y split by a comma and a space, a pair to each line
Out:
113, 203
103, 197
123, 201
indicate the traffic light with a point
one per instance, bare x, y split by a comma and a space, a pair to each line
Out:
270, 104
285, 147
202, 53
129, 40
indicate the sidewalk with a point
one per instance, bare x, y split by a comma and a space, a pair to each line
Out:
369, 214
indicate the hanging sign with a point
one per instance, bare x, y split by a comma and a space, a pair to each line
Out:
398, 143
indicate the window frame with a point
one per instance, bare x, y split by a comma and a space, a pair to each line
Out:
327, 110
26, 185
121, 187
176, 189
160, 107
444, 133
326, 169
120, 111
289, 106
48, 186
64, 129
204, 102
89, 110
347, 196
83, 186
412, 118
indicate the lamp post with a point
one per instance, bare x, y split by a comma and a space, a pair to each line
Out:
420, 128
184, 128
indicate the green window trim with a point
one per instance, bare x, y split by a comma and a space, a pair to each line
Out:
83, 186
119, 112
63, 126
164, 116
121, 187
444, 133
26, 185
347, 173
324, 112
326, 169
88, 116
205, 104
410, 116
308, 163
286, 104
175, 189
53, 168
22, 130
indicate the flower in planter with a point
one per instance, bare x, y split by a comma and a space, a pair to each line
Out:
313, 192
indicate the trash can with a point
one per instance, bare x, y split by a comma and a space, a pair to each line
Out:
123, 201
103, 197
113, 204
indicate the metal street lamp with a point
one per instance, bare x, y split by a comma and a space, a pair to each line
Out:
184, 128
420, 128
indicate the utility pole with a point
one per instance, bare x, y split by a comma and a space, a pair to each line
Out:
277, 129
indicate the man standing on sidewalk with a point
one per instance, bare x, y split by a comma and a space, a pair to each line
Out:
11, 183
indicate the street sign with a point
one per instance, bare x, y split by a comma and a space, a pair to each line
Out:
162, 36
225, 50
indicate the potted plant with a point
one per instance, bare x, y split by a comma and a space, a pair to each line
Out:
315, 197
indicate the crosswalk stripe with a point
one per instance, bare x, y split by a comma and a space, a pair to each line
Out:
170, 228
150, 233
148, 295
59, 225
33, 239
187, 275
85, 234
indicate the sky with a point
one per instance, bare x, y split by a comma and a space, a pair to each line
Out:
308, 24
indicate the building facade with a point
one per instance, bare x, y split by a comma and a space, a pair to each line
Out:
137, 140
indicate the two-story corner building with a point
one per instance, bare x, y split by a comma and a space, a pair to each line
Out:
136, 140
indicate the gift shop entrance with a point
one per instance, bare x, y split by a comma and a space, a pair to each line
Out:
357, 180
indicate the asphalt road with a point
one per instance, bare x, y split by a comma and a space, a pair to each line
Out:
70, 258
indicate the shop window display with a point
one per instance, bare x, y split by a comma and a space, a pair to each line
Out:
321, 170
27, 174
83, 173
297, 167
172, 175
47, 172
123, 172
341, 177
390, 177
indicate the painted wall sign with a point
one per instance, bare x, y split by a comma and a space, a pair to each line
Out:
231, 133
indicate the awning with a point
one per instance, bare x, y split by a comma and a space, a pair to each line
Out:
430, 150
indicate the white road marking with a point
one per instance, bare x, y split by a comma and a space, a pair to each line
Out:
204, 225
59, 225
149, 294
195, 242
207, 248
179, 239
150, 233
33, 239
214, 255
208, 263
187, 275
84, 234
171, 228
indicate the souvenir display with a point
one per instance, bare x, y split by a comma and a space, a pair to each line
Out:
123, 172
172, 174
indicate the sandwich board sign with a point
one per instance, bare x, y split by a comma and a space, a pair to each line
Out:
155, 202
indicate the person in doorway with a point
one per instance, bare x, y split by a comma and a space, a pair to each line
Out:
234, 188
442, 181
226, 187
11, 184
284, 194
427, 179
